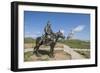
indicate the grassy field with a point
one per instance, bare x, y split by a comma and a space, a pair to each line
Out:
29, 40
86, 54
76, 44
30, 43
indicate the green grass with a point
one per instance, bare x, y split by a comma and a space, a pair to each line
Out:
72, 43
29, 40
27, 56
86, 54
77, 44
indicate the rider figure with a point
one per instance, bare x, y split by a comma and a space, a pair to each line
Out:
48, 30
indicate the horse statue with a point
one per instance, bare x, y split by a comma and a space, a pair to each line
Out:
49, 42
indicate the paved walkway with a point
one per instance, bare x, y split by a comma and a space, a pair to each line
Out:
81, 49
74, 54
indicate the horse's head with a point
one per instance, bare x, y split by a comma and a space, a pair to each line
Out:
60, 34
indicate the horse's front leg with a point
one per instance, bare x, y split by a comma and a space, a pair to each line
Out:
52, 50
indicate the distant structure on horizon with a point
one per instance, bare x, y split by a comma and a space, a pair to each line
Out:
70, 35
79, 28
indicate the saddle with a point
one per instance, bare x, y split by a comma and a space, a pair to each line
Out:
47, 39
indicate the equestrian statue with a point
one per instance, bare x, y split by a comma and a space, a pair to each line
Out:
49, 38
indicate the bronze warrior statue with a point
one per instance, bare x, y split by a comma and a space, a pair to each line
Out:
49, 39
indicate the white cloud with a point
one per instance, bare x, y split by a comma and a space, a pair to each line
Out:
78, 28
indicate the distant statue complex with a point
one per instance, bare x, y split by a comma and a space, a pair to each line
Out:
70, 35
49, 38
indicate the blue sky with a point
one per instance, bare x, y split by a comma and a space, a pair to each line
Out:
35, 22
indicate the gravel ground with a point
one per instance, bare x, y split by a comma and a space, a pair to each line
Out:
58, 55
